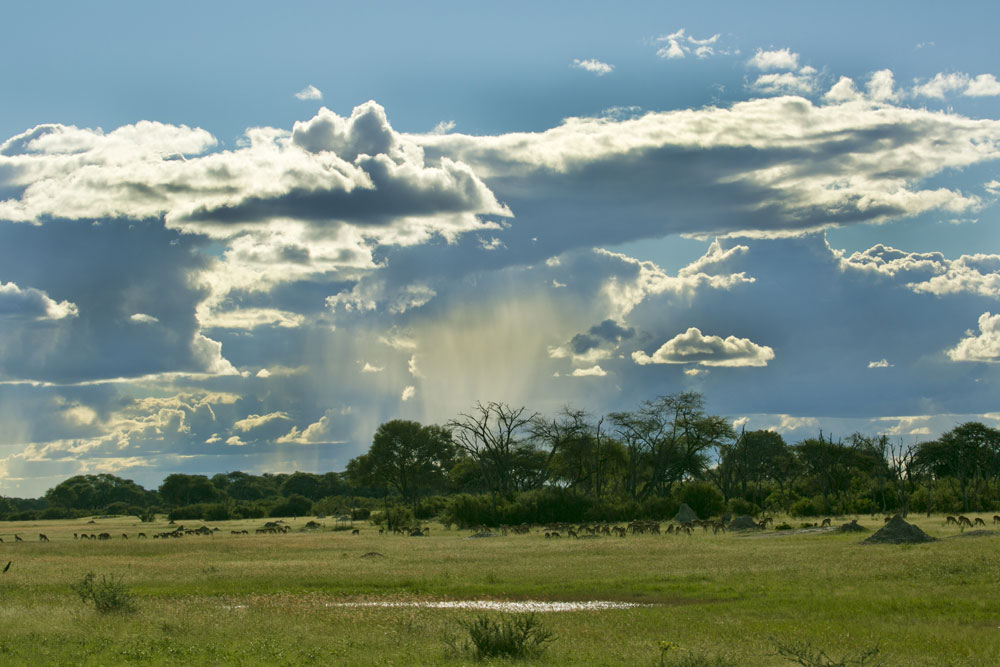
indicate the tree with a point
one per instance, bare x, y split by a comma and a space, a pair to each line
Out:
754, 458
407, 458
963, 453
91, 492
583, 456
498, 438
179, 489
305, 484
667, 439
244, 486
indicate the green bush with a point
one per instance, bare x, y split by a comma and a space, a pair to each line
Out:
395, 517
509, 636
466, 510
294, 505
805, 507
57, 513
107, 594
187, 513
703, 498
741, 506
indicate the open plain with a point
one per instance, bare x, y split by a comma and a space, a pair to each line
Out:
321, 597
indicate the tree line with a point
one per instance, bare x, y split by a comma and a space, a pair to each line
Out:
499, 463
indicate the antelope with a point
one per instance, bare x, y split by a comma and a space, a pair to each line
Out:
124, 536
826, 523
17, 538
950, 519
143, 535
979, 522
571, 533
996, 518
42, 537
964, 521
355, 532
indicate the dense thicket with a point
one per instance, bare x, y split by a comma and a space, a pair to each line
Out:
502, 464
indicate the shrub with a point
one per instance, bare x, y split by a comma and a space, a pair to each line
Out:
703, 498
108, 594
395, 517
659, 508
466, 510
186, 513
515, 636
804, 507
294, 505
741, 506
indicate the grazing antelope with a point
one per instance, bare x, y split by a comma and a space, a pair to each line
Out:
17, 538
143, 535
124, 536
571, 533
826, 523
42, 537
355, 532
964, 521
979, 522
950, 519
75, 536
996, 518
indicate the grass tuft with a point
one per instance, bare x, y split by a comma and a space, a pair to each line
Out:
108, 594
509, 636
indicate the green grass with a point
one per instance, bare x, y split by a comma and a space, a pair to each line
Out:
722, 599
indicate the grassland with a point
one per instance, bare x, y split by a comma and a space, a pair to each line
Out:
276, 599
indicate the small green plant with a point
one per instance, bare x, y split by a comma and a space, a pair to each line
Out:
665, 648
672, 655
108, 594
510, 636
807, 655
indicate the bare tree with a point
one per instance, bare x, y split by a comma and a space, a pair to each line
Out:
498, 438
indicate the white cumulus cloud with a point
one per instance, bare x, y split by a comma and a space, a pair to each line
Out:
777, 59
310, 92
694, 347
593, 371
984, 346
32, 304
679, 45
593, 66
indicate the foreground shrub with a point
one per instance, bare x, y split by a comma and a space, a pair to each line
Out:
108, 594
510, 636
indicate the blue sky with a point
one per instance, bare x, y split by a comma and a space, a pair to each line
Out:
240, 236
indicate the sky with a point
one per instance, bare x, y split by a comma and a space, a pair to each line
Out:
240, 236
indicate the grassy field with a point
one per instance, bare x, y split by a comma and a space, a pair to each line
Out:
278, 599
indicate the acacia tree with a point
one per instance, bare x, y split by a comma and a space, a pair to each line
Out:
754, 458
963, 453
588, 460
667, 439
407, 458
498, 438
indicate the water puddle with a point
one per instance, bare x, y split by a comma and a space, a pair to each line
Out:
499, 605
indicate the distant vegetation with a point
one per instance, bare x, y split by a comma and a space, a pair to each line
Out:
502, 464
